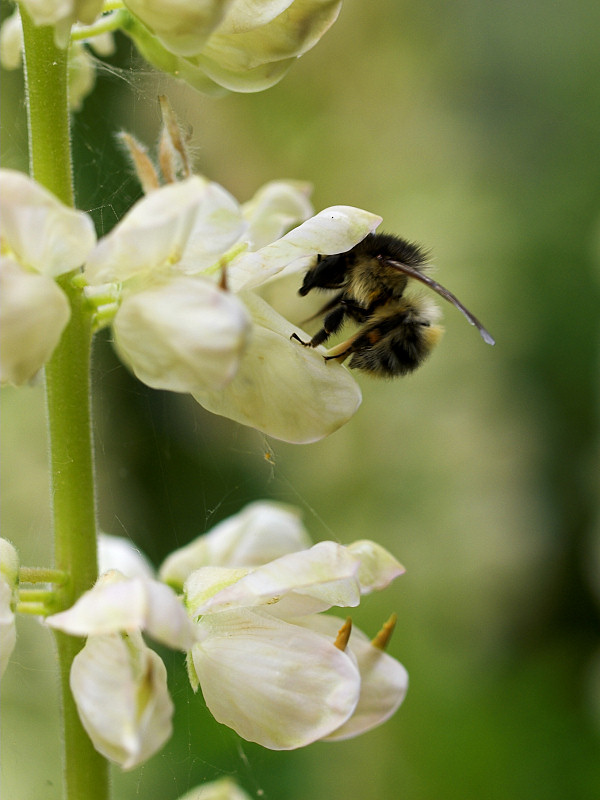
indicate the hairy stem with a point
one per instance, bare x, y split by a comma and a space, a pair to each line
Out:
67, 400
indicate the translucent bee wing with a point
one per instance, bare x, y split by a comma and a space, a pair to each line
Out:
446, 294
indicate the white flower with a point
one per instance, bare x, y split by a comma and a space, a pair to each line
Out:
179, 330
243, 45
118, 683
34, 309
9, 572
269, 667
120, 688
259, 533
175, 332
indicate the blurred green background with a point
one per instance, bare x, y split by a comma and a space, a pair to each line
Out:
474, 128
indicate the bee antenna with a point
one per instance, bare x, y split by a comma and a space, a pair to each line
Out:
446, 294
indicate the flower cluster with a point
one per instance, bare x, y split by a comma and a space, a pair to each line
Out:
270, 664
179, 279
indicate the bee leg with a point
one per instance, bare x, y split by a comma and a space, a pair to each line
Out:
331, 324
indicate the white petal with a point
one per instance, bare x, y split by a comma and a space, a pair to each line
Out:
219, 224
185, 336
181, 25
34, 311
249, 58
261, 532
120, 688
282, 388
276, 684
11, 41
118, 604
116, 552
63, 237
324, 575
151, 237
333, 230
378, 567
245, 15
273, 210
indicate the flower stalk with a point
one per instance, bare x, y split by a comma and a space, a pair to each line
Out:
67, 400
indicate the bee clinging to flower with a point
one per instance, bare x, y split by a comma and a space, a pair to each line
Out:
397, 330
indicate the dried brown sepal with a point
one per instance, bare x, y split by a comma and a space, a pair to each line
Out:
382, 639
341, 640
144, 168
172, 152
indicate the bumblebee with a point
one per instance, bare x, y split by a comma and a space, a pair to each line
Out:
397, 331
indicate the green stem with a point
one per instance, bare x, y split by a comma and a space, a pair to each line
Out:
67, 400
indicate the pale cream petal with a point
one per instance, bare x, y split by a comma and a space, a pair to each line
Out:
185, 336
151, 237
116, 552
181, 25
39, 231
34, 311
378, 567
276, 684
274, 209
288, 35
326, 572
333, 230
120, 689
282, 388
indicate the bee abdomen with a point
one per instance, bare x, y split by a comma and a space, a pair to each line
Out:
395, 344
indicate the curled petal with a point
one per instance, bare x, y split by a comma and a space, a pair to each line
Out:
34, 312
261, 532
317, 578
185, 336
274, 209
333, 230
120, 689
276, 684
63, 237
282, 388
151, 237
378, 567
